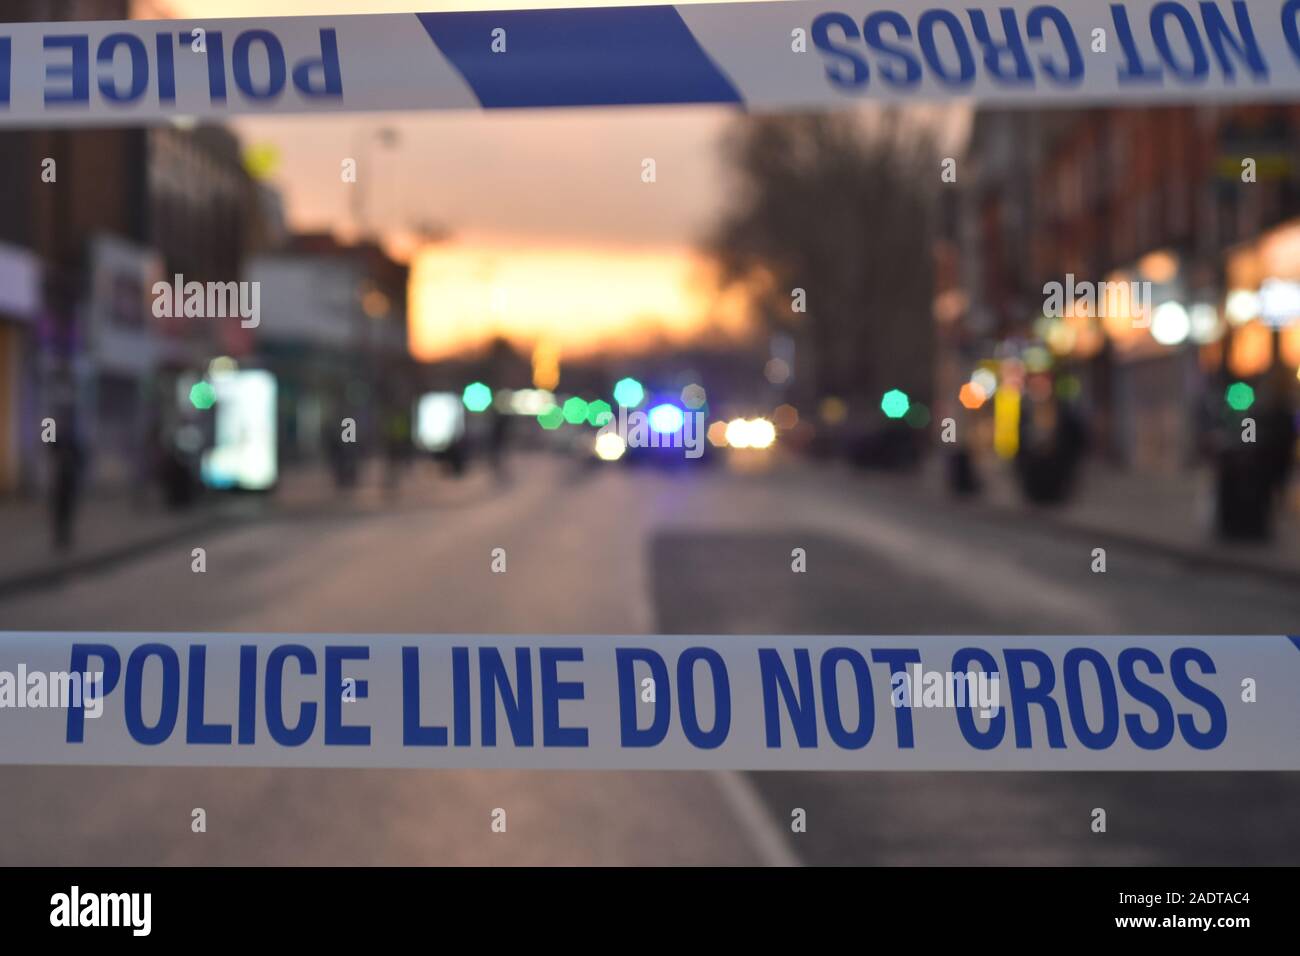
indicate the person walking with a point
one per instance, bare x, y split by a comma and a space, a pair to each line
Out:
65, 482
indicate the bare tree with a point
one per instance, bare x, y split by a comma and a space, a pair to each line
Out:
841, 208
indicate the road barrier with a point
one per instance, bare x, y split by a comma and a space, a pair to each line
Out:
653, 702
758, 56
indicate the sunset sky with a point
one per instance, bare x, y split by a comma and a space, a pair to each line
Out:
553, 234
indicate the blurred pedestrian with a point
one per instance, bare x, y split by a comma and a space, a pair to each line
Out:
148, 463
180, 483
1243, 496
498, 441
963, 479
1277, 428
65, 480
344, 456
397, 447
1251, 473
1053, 439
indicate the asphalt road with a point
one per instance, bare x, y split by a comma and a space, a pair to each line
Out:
612, 550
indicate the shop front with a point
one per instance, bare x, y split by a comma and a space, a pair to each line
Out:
20, 303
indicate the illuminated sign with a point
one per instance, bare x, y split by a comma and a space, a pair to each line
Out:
244, 454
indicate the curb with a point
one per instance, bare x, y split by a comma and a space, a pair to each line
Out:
221, 516
1203, 557
1212, 554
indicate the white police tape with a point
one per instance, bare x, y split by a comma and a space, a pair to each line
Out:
756, 55
608, 702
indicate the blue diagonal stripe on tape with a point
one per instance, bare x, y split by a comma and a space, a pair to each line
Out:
608, 56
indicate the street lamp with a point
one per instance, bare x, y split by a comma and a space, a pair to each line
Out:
388, 138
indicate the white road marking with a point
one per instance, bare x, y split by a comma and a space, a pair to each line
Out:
766, 836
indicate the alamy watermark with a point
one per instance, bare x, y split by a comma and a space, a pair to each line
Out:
664, 426
917, 687
133, 911
38, 689
1100, 299
208, 300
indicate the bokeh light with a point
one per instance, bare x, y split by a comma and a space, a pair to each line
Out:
1170, 324
833, 410
750, 433
599, 412
917, 415
610, 446
972, 396
202, 395
762, 433
666, 419
777, 371
575, 410
785, 417
629, 393
694, 396
531, 401
477, 397
986, 380
894, 403
1241, 306
1240, 396
737, 433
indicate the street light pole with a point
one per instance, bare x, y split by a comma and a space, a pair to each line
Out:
387, 137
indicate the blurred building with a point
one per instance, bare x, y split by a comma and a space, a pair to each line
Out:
334, 332
1149, 196
100, 215
20, 304
996, 220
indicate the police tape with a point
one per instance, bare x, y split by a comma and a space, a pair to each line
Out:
757, 55
659, 702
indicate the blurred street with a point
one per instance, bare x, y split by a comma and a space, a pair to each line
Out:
986, 370
596, 548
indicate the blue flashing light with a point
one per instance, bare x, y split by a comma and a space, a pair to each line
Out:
666, 419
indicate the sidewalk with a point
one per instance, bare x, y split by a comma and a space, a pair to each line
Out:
106, 529
113, 527
1170, 513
